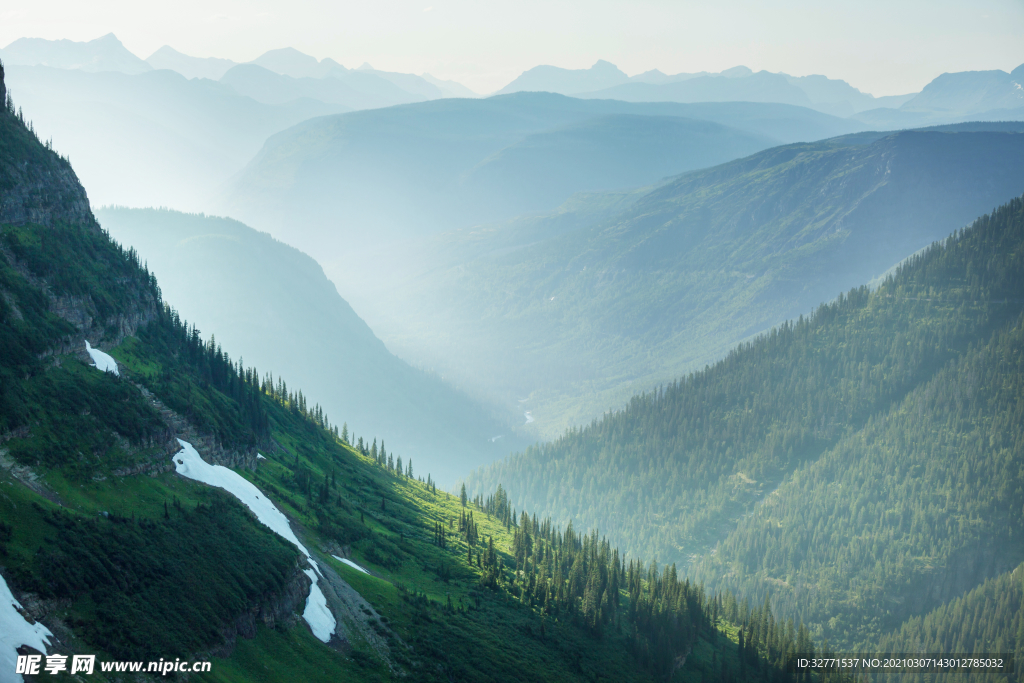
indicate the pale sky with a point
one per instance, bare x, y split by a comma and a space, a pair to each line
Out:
885, 47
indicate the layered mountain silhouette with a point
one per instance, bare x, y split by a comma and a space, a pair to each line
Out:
371, 177
952, 97
738, 84
189, 67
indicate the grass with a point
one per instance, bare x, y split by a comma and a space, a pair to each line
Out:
291, 654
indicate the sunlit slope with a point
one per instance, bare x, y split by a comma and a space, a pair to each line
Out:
860, 466
371, 177
578, 310
273, 305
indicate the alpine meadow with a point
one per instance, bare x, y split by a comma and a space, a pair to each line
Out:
627, 342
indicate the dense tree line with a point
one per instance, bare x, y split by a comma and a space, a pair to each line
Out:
922, 503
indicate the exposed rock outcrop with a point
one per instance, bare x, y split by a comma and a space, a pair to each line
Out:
270, 610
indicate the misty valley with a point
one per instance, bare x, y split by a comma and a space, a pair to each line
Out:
319, 373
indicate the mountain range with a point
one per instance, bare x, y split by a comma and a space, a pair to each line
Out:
148, 138
368, 178
166, 133
984, 95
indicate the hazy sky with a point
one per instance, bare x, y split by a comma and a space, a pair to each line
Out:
884, 47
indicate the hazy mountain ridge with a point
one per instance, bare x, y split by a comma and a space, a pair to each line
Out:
950, 97
153, 139
273, 305
189, 67
739, 84
578, 319
102, 54
373, 176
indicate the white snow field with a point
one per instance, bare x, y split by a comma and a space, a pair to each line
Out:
100, 360
188, 463
350, 563
316, 614
15, 631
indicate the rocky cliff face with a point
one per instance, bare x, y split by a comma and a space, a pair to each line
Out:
270, 610
39, 188
40, 194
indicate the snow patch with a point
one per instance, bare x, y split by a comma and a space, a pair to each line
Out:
528, 416
15, 631
100, 360
350, 563
260, 456
316, 614
188, 463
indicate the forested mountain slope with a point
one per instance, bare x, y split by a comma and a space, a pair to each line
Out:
273, 305
111, 546
578, 315
859, 466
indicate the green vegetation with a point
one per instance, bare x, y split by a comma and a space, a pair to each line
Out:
146, 589
858, 466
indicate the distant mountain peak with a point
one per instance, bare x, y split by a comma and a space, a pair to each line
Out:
737, 72
365, 66
330, 63
105, 53
547, 78
190, 67
287, 61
